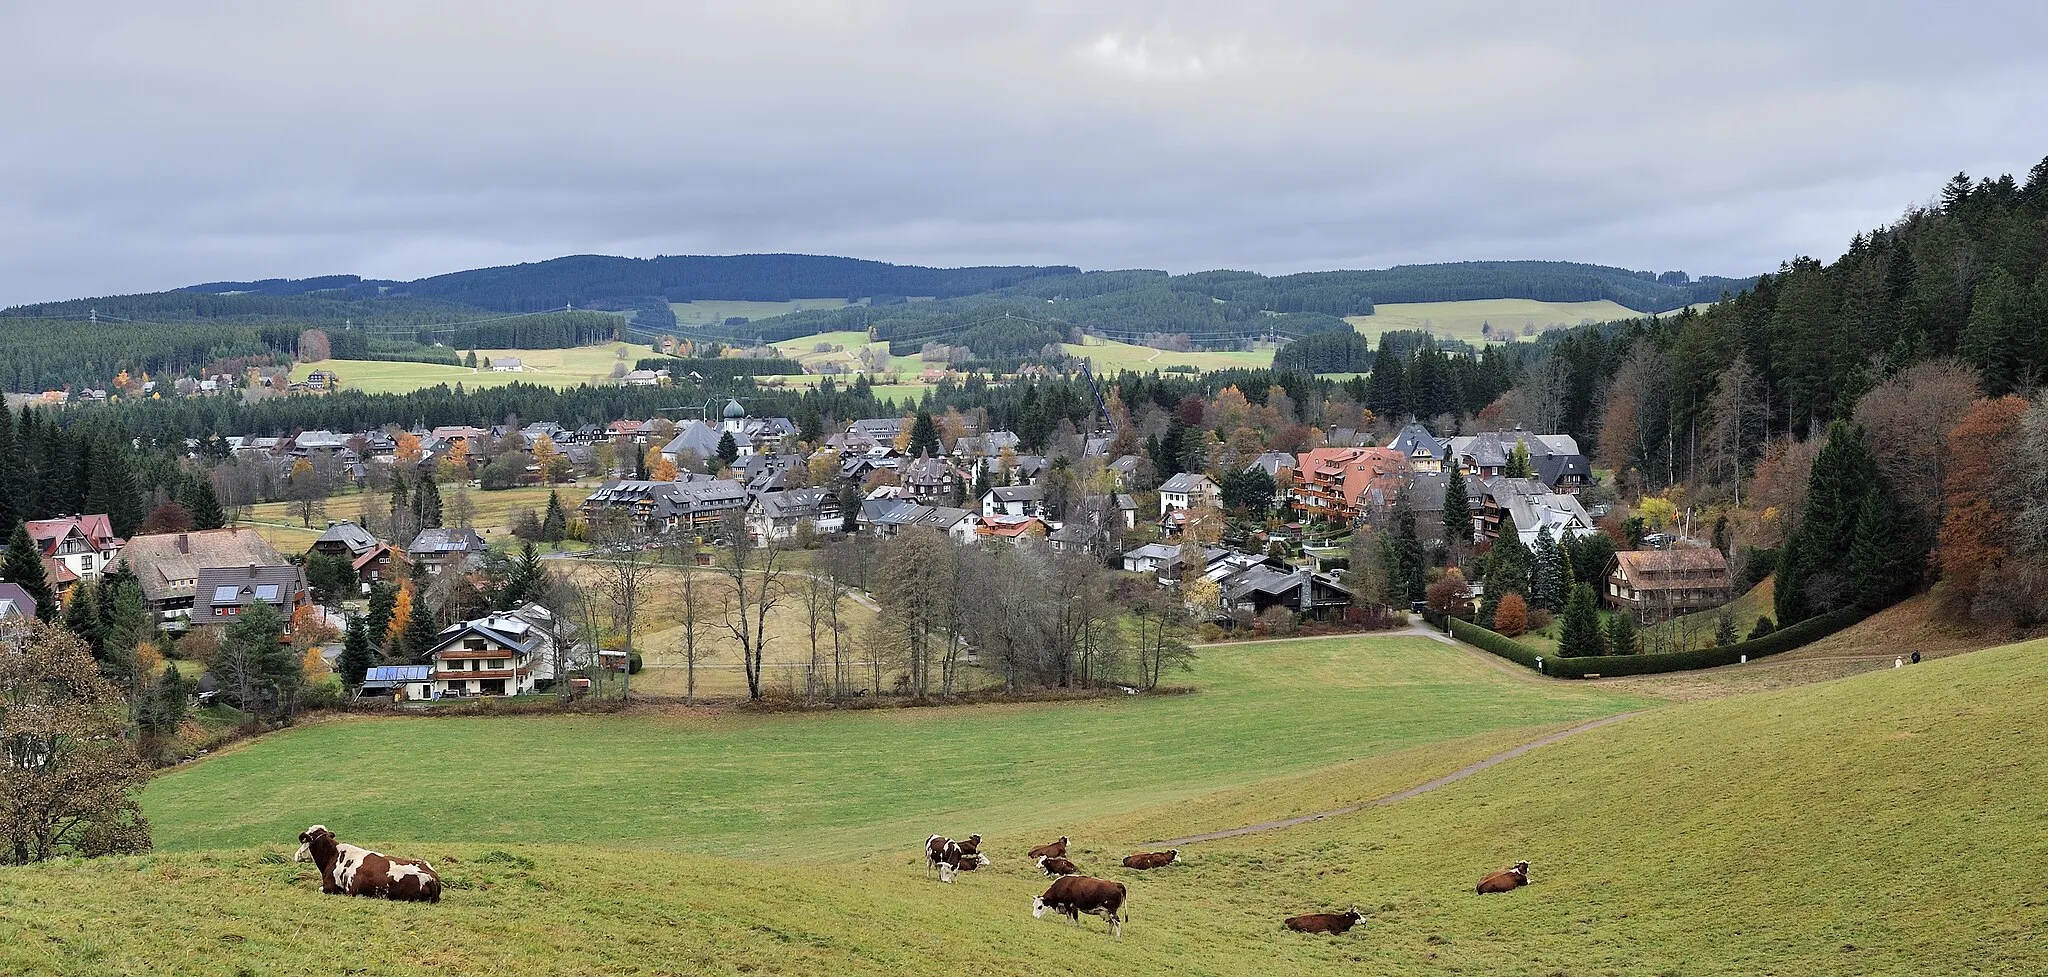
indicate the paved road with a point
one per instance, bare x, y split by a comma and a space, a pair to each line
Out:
1447, 779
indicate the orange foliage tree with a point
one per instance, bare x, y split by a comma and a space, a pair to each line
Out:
1979, 514
1511, 618
401, 613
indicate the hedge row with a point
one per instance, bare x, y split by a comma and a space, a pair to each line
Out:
717, 368
1777, 642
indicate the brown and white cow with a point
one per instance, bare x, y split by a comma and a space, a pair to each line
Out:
1057, 849
1336, 924
1152, 859
949, 856
1506, 880
346, 870
972, 846
1055, 865
1077, 894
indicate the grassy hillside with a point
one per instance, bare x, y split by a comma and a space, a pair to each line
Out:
858, 783
1462, 320
1111, 356
492, 518
712, 312
543, 367
1881, 825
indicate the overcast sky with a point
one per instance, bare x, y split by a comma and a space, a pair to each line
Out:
149, 145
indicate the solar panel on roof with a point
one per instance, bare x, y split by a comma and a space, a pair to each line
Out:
266, 592
224, 595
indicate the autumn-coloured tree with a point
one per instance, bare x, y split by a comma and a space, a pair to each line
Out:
167, 518
408, 451
1511, 618
68, 772
548, 459
455, 461
663, 470
1778, 487
1452, 595
1632, 408
1977, 488
1908, 419
314, 346
305, 496
401, 613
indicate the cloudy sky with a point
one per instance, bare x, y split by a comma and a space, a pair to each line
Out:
153, 144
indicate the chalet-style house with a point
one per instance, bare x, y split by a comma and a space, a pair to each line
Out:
1554, 459
1656, 585
74, 548
226, 593
665, 507
1188, 489
930, 478
1530, 506
442, 548
777, 516
1425, 453
168, 565
1014, 529
372, 559
502, 654
1301, 591
1013, 500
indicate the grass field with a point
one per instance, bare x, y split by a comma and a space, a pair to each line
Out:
1462, 320
492, 518
1881, 825
712, 313
542, 367
1111, 356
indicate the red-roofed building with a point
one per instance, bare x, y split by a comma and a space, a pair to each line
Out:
75, 548
1344, 484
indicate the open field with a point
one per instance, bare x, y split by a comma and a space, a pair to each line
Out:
849, 344
492, 519
1462, 320
542, 367
1111, 356
1880, 825
715, 312
856, 784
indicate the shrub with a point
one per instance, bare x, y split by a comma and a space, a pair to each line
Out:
322, 695
1763, 629
1777, 642
1511, 618
1539, 618
1478, 637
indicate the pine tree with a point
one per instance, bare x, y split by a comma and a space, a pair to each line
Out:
1621, 634
1457, 510
356, 652
383, 604
1842, 473
728, 450
1887, 552
1580, 635
420, 630
24, 568
554, 526
1409, 548
82, 618
11, 511
199, 499
1518, 462
1553, 587
1724, 629
426, 504
924, 437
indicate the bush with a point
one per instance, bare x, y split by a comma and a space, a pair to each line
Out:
1511, 618
1777, 642
1763, 629
633, 664
1539, 618
326, 694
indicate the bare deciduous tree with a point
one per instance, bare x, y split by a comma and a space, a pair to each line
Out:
754, 574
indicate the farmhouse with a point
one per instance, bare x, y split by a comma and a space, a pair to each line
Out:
440, 548
168, 566
507, 364
226, 593
1187, 489
1656, 585
74, 548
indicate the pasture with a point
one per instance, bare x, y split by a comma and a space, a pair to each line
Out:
1463, 320
492, 515
1880, 825
1110, 356
711, 312
541, 367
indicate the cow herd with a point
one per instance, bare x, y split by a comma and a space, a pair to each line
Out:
352, 871
1073, 894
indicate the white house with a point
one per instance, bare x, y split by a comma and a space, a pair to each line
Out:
507, 364
502, 654
1186, 490
1012, 500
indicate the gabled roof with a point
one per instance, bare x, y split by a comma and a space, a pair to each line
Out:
1416, 441
160, 561
443, 540
1016, 493
14, 601
791, 504
357, 539
243, 586
1187, 483
1674, 569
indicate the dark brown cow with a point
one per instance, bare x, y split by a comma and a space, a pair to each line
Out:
1152, 859
1506, 880
1336, 924
1054, 865
346, 870
1057, 849
1077, 894
972, 846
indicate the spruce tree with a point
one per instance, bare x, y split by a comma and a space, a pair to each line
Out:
554, 526
1457, 510
199, 499
1887, 552
24, 568
1552, 586
82, 618
383, 604
426, 504
1621, 634
1409, 548
1580, 636
640, 461
399, 501
728, 450
849, 510
420, 632
112, 487
924, 437
11, 511
1518, 462
1724, 629
356, 653
1843, 473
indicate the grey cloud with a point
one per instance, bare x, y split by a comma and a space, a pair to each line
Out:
161, 144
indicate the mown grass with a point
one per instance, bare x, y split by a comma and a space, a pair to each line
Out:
1110, 356
1464, 320
492, 513
1880, 825
851, 784
714, 312
542, 367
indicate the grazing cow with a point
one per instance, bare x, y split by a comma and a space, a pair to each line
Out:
1506, 879
346, 870
1077, 894
1152, 859
1057, 849
949, 856
1054, 865
1335, 924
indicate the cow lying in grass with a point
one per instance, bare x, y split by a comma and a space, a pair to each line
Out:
1057, 849
346, 870
1152, 859
1506, 880
1336, 924
1073, 895
1055, 865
